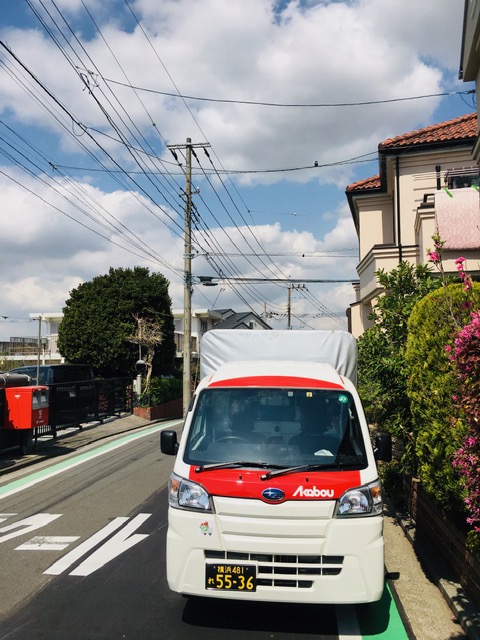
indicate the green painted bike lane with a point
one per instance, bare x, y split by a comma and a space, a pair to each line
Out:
54, 469
382, 620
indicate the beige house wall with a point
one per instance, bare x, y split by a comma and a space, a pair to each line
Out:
359, 318
417, 177
375, 222
378, 218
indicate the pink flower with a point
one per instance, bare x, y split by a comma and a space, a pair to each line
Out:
433, 256
460, 261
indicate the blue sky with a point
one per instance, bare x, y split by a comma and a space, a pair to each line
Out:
92, 91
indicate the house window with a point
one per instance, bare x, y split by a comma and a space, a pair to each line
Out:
462, 178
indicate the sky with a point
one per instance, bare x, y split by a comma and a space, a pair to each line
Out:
285, 104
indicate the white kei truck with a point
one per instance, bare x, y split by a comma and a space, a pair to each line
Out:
275, 494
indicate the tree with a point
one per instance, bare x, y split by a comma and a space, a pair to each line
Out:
99, 318
149, 335
382, 373
433, 385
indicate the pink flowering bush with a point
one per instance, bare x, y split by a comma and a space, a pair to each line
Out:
466, 356
435, 255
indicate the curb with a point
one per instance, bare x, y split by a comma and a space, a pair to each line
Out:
390, 579
457, 599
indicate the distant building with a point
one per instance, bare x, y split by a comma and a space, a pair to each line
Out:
202, 321
43, 345
244, 320
28, 349
205, 319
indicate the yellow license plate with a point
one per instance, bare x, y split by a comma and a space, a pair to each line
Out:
231, 577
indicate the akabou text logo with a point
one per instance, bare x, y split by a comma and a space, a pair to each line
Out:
313, 492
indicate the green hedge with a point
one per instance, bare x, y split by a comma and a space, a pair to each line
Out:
161, 390
432, 383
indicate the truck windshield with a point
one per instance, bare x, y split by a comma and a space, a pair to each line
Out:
275, 427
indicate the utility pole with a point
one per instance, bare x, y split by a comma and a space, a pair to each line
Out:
40, 318
187, 276
289, 303
289, 307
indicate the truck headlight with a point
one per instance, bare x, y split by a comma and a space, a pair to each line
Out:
185, 494
362, 501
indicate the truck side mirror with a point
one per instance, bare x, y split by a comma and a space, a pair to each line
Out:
383, 447
168, 442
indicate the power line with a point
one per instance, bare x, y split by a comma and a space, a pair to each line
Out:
334, 253
92, 139
316, 165
89, 85
183, 96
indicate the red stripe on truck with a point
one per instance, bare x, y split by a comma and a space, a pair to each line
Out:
247, 483
276, 381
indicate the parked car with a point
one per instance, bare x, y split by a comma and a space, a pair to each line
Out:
57, 373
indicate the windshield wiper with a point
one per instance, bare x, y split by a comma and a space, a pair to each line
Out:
236, 463
337, 466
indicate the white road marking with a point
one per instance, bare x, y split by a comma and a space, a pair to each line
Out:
119, 543
347, 623
27, 525
6, 516
66, 562
47, 543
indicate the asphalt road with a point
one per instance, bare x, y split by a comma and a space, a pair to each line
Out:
82, 540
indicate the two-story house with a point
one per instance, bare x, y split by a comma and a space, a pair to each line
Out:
241, 320
205, 319
202, 320
427, 182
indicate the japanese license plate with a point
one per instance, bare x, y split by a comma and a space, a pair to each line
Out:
231, 577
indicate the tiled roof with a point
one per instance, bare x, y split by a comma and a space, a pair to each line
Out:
462, 128
366, 184
240, 321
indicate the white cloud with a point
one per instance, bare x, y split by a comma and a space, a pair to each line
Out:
298, 52
326, 53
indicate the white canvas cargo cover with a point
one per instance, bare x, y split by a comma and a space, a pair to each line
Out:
338, 348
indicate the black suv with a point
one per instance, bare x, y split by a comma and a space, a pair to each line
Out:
55, 373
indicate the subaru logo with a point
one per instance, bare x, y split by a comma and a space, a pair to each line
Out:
273, 495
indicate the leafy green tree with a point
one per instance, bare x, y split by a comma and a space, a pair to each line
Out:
382, 373
99, 321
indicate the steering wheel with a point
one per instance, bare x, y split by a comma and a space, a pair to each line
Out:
232, 439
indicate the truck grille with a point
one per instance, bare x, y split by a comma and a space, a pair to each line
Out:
283, 570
